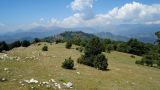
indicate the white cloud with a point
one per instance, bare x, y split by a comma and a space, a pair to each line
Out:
80, 5
83, 8
130, 13
133, 13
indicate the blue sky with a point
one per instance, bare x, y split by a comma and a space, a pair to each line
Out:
25, 11
55, 12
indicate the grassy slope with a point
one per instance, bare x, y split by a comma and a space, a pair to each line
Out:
123, 73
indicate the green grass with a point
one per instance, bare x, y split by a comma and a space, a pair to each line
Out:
123, 73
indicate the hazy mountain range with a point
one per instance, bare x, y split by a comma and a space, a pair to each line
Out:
121, 32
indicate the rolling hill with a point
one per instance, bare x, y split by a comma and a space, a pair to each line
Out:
31, 63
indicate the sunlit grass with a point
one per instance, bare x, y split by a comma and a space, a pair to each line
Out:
123, 73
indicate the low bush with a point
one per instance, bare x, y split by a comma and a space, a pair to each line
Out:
139, 62
93, 55
149, 62
68, 44
68, 63
86, 60
45, 48
100, 62
80, 49
25, 43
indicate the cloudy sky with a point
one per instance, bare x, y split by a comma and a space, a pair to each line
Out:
26, 14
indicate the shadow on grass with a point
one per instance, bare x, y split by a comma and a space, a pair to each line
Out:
71, 69
106, 70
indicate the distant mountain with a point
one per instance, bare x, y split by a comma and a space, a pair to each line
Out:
123, 32
70, 35
39, 32
111, 36
143, 32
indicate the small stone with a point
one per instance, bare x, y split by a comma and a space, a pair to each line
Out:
22, 84
68, 85
78, 72
6, 69
59, 86
52, 80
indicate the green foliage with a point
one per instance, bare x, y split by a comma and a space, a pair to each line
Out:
69, 35
123, 47
76, 40
80, 49
4, 46
158, 63
139, 62
158, 36
86, 60
83, 43
68, 44
15, 44
109, 47
107, 41
68, 63
25, 43
151, 59
100, 62
149, 62
59, 41
45, 48
94, 47
153, 56
136, 47
92, 56
36, 40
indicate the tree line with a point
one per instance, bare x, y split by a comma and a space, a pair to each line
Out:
150, 52
6, 47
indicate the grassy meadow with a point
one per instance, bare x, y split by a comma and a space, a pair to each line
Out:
32, 62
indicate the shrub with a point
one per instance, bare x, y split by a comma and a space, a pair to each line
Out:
45, 48
92, 56
158, 63
109, 48
76, 40
68, 44
123, 47
68, 63
80, 49
59, 41
15, 44
86, 60
94, 47
149, 62
4, 46
25, 43
36, 40
100, 62
39, 44
139, 62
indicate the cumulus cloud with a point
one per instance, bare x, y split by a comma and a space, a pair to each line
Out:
83, 8
133, 13
130, 13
